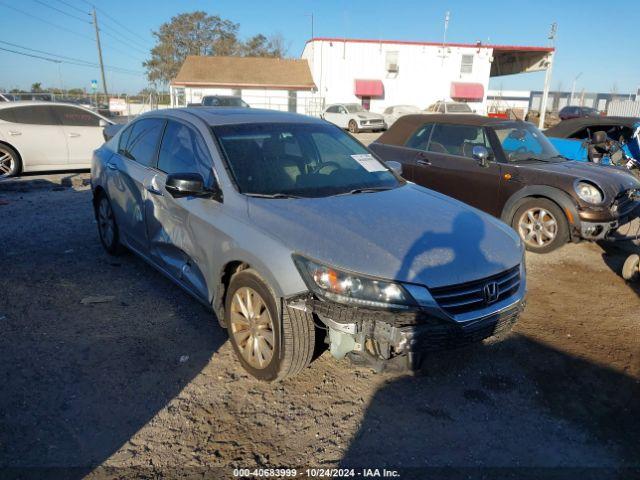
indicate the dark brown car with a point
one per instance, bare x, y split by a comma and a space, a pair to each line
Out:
510, 170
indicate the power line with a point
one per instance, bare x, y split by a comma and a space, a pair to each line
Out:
116, 21
62, 11
128, 44
73, 59
80, 63
73, 6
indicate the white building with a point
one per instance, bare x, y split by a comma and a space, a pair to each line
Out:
262, 82
382, 73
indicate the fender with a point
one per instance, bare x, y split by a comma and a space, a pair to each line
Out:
563, 200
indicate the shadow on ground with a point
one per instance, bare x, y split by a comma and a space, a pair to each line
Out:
516, 404
79, 380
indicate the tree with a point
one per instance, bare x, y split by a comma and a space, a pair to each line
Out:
193, 33
36, 87
198, 33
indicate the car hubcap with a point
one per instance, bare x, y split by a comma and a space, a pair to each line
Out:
106, 222
6, 163
252, 327
538, 227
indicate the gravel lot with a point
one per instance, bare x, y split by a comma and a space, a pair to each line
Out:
145, 382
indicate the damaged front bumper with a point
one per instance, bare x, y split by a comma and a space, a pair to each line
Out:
380, 335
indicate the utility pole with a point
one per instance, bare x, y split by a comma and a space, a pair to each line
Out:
547, 77
104, 82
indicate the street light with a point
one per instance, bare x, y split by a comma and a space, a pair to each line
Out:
573, 87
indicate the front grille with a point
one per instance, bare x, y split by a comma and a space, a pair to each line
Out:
470, 296
626, 202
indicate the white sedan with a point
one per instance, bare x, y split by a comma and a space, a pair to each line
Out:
36, 136
393, 113
353, 117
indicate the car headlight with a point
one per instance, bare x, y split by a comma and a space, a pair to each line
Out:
350, 288
589, 193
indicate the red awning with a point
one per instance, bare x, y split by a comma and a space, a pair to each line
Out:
471, 92
369, 88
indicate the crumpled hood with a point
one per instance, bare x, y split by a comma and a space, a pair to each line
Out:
409, 234
612, 180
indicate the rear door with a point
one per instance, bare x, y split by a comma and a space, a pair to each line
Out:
447, 166
34, 131
83, 133
179, 230
129, 172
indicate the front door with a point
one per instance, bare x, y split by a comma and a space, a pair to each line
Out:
178, 227
83, 133
447, 166
129, 172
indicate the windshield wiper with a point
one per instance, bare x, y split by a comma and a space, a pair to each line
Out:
271, 195
364, 190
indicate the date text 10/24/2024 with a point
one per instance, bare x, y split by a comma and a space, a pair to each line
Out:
316, 473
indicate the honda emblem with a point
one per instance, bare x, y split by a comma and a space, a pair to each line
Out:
490, 292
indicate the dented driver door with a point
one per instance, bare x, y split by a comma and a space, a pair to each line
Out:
177, 227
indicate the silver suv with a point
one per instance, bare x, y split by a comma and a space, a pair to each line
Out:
288, 229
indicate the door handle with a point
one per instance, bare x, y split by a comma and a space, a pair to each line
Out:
14, 133
112, 166
423, 161
74, 135
153, 190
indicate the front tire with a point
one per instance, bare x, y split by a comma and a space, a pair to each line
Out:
353, 126
267, 348
10, 163
541, 224
107, 226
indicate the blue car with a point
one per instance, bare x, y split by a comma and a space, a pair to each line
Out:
606, 140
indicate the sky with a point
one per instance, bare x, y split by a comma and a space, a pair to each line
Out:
585, 49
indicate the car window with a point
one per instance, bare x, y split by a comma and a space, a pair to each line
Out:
76, 117
32, 115
183, 151
441, 108
330, 161
210, 101
420, 138
142, 145
124, 138
457, 139
388, 110
332, 109
523, 142
353, 108
458, 108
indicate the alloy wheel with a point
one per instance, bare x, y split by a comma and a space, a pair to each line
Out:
537, 227
7, 163
106, 222
252, 327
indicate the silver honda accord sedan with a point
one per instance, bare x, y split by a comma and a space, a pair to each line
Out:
295, 234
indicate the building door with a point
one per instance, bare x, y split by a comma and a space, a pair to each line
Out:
366, 103
293, 101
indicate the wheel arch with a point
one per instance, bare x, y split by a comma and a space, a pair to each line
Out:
22, 165
557, 196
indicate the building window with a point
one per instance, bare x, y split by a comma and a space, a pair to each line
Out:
391, 62
467, 64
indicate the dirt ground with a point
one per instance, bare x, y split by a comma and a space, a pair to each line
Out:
145, 384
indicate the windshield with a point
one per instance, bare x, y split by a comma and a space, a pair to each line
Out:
524, 142
306, 160
224, 102
353, 108
458, 108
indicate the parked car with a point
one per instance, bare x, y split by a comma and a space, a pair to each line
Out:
511, 170
449, 107
391, 114
36, 136
571, 111
280, 222
223, 101
353, 117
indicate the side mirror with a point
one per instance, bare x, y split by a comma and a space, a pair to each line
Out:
395, 166
103, 123
186, 185
481, 155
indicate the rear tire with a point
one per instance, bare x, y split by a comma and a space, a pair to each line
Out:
541, 224
353, 126
10, 163
270, 347
107, 225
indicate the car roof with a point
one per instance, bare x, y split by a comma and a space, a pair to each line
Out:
213, 116
571, 126
32, 103
405, 126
